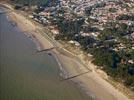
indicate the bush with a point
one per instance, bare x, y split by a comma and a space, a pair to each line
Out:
17, 7
113, 10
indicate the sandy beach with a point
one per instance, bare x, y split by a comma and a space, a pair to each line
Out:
92, 83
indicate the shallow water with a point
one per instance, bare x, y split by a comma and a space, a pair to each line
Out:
25, 75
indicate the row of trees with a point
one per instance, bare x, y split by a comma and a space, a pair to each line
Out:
125, 17
69, 28
116, 63
114, 30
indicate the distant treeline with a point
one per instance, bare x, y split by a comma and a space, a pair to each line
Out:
34, 2
31, 2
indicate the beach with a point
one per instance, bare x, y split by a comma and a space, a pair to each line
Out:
91, 82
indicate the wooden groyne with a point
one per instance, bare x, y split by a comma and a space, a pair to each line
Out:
4, 11
71, 77
39, 51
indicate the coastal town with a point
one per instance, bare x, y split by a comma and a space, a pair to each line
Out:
103, 28
93, 39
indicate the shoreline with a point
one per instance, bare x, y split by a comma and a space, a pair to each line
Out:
62, 71
84, 80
